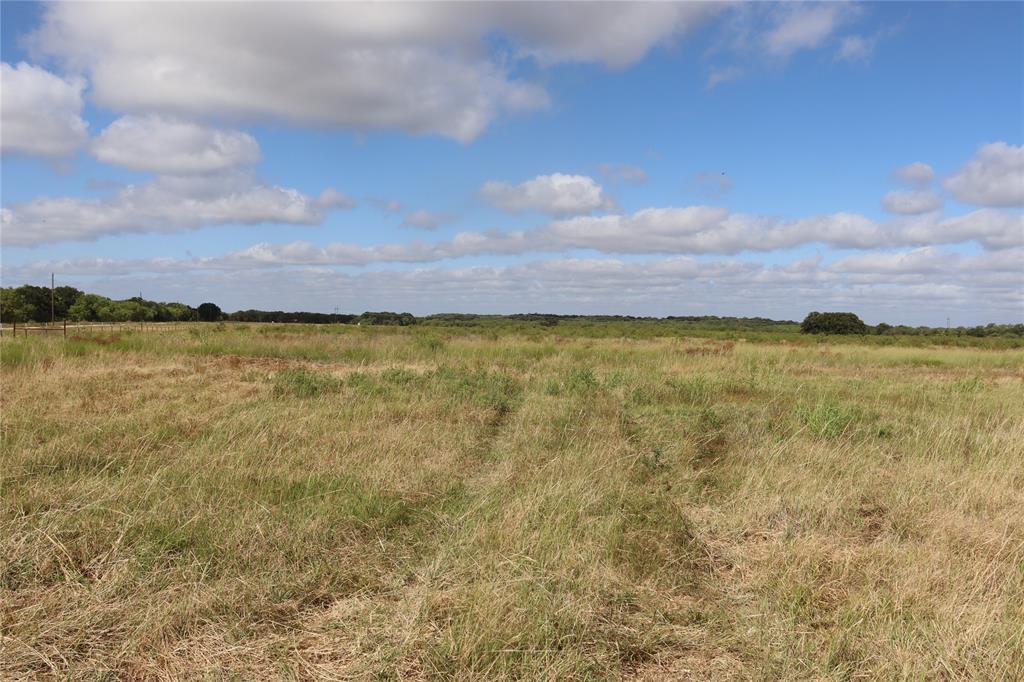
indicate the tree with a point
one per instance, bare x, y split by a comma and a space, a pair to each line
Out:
13, 308
833, 323
63, 299
209, 312
86, 308
35, 302
178, 312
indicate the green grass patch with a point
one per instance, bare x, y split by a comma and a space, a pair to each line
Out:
304, 383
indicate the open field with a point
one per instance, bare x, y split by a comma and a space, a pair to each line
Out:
277, 502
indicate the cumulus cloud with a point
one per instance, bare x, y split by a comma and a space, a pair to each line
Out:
991, 228
624, 173
994, 177
615, 33
427, 220
708, 229
692, 230
41, 112
167, 204
424, 68
924, 260
917, 174
556, 194
911, 203
165, 145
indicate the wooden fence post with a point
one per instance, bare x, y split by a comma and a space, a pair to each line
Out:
65, 328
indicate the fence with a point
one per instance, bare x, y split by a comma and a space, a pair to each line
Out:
14, 329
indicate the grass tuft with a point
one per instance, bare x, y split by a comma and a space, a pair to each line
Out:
304, 383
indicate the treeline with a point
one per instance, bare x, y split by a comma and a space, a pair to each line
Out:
376, 318
32, 304
712, 322
849, 323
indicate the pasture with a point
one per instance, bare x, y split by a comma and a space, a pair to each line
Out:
429, 503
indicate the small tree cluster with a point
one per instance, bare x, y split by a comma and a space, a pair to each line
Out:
833, 323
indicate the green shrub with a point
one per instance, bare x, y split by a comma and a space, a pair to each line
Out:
833, 323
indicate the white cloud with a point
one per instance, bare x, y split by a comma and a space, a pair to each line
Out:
917, 174
624, 173
556, 194
912, 202
167, 204
40, 112
425, 68
615, 33
924, 260
165, 145
172, 203
800, 26
332, 198
994, 177
707, 229
991, 228
427, 220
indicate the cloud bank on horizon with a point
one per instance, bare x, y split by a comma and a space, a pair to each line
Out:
668, 158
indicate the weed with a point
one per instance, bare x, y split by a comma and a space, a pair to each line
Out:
830, 418
304, 383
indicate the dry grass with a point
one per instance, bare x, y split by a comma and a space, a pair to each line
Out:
263, 503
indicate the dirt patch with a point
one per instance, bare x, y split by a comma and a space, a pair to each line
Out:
873, 518
711, 348
243, 362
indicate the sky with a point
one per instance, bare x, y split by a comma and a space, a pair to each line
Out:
647, 159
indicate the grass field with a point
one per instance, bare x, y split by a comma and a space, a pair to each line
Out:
275, 502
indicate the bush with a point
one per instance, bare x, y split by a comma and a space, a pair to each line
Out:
210, 312
833, 323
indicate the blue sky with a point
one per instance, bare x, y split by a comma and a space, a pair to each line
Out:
640, 159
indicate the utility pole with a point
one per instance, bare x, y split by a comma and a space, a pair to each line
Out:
52, 318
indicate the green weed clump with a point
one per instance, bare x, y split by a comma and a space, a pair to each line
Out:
575, 381
304, 383
830, 419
